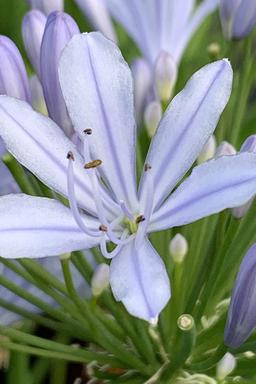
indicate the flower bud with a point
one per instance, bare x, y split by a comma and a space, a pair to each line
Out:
208, 150
33, 25
142, 83
249, 145
47, 6
214, 50
100, 279
13, 75
152, 117
178, 248
165, 75
241, 319
37, 94
185, 322
97, 13
225, 366
60, 28
238, 17
225, 149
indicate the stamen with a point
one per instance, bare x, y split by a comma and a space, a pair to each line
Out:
72, 199
147, 167
88, 131
148, 207
103, 228
123, 241
93, 164
70, 156
139, 219
126, 210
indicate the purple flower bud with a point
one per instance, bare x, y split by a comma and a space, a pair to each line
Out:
242, 310
47, 6
238, 17
8, 184
249, 145
32, 32
97, 13
165, 75
142, 80
60, 27
13, 75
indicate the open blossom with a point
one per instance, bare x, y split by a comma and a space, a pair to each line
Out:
242, 310
160, 29
99, 180
238, 17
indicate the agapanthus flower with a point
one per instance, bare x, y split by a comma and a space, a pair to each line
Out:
241, 315
160, 29
99, 180
238, 17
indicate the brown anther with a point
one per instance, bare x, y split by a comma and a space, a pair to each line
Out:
103, 228
70, 156
139, 219
147, 167
88, 131
93, 164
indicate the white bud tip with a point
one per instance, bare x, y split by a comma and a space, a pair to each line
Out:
178, 248
100, 279
208, 151
152, 117
165, 75
225, 366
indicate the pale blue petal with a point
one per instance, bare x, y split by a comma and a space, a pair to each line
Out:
37, 227
138, 278
42, 147
226, 182
242, 310
174, 17
98, 90
141, 19
203, 10
97, 13
186, 126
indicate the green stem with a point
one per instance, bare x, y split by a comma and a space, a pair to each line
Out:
103, 337
19, 174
